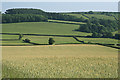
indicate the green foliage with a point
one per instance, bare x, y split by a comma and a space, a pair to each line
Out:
84, 28
27, 40
90, 12
24, 11
77, 15
60, 16
117, 36
100, 16
99, 26
51, 41
14, 18
104, 35
108, 35
97, 35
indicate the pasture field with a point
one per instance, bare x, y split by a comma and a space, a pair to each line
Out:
12, 40
100, 16
10, 36
99, 40
41, 40
44, 39
42, 28
14, 43
60, 61
60, 40
77, 15
68, 22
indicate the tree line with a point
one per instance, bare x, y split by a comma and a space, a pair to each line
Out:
24, 11
35, 15
14, 18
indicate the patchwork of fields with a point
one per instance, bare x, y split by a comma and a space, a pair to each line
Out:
40, 28
47, 28
43, 40
67, 59
60, 61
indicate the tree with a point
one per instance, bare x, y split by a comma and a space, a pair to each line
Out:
51, 41
108, 35
90, 12
27, 40
84, 28
99, 35
94, 35
14, 18
117, 36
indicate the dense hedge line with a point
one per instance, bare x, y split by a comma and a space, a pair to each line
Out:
14, 18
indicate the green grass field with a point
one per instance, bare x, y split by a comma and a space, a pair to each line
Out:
58, 40
14, 43
100, 40
12, 40
10, 36
60, 61
44, 39
42, 28
78, 15
100, 16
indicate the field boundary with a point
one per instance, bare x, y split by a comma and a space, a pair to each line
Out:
73, 36
42, 35
64, 22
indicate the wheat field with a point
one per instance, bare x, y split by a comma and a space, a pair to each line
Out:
59, 61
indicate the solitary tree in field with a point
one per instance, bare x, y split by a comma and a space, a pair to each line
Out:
27, 40
51, 41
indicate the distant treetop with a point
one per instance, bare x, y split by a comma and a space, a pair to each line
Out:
24, 11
